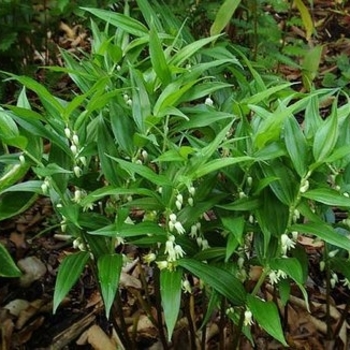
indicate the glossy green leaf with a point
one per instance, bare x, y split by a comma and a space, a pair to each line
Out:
14, 203
223, 16
266, 314
285, 187
170, 291
326, 137
109, 267
130, 230
130, 25
11, 174
68, 273
219, 279
296, 145
8, 268
144, 172
291, 266
327, 196
158, 59
218, 164
305, 17
235, 227
141, 107
242, 204
325, 232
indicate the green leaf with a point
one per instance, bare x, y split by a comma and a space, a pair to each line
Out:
326, 136
327, 196
223, 16
109, 268
119, 20
12, 174
68, 273
219, 279
189, 50
218, 164
296, 145
305, 17
291, 266
235, 226
130, 230
310, 65
242, 204
158, 60
325, 232
7, 266
266, 314
15, 203
170, 291
144, 172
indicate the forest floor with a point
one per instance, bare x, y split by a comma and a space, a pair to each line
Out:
26, 318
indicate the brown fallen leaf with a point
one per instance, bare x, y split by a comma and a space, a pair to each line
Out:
97, 338
33, 269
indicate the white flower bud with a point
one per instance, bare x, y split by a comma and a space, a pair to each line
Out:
304, 187
67, 132
150, 257
77, 171
83, 160
126, 97
333, 253
172, 218
322, 265
249, 181
74, 149
192, 191
77, 196
178, 205
179, 197
346, 194
118, 68
22, 159
162, 265
129, 102
75, 139
44, 187
190, 201
144, 155
209, 101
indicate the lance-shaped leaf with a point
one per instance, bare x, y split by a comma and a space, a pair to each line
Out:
109, 268
68, 273
266, 314
7, 266
170, 291
221, 280
328, 196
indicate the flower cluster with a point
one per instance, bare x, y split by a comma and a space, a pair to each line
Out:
275, 276
286, 244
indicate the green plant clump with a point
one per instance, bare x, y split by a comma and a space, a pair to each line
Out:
180, 148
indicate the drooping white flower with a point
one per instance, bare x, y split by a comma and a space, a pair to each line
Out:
179, 228
186, 286
273, 277
286, 243
346, 283
248, 321
179, 252
150, 257
75, 139
194, 231
209, 101
162, 264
